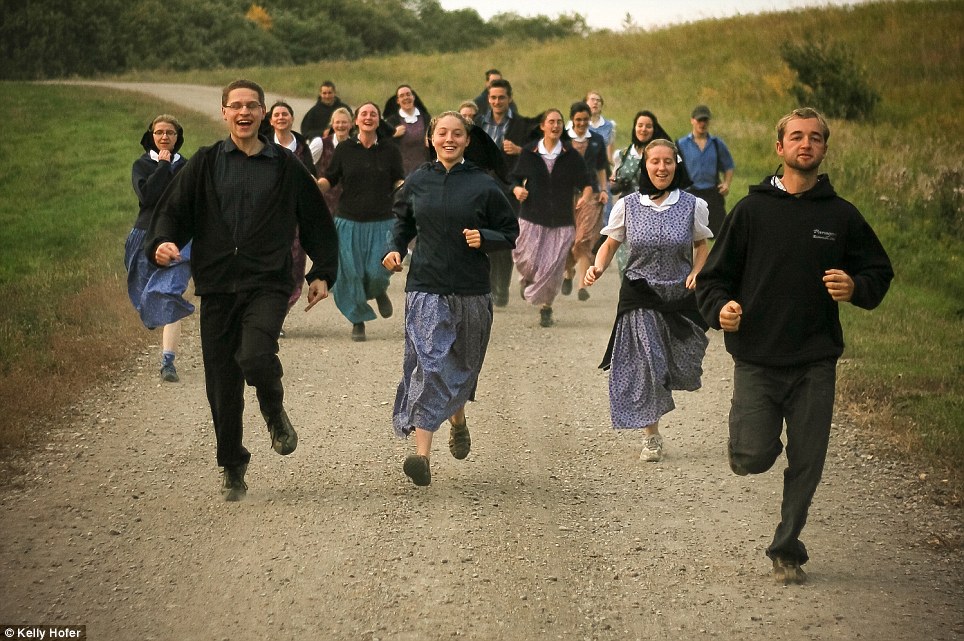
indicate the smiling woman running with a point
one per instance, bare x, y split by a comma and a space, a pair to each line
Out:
659, 337
458, 213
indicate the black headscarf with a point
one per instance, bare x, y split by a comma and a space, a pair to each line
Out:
681, 177
658, 131
147, 140
392, 106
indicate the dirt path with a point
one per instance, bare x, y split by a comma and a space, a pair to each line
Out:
551, 529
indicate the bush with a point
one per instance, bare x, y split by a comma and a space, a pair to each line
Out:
829, 78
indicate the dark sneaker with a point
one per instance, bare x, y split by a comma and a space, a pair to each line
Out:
281, 334
284, 439
583, 294
545, 317
459, 440
501, 299
169, 374
233, 487
566, 286
385, 308
787, 572
416, 468
358, 332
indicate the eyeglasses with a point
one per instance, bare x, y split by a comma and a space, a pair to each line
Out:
160, 133
238, 106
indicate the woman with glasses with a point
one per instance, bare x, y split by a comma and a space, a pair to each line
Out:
158, 294
406, 112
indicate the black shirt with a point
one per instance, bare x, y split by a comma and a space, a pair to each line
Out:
244, 183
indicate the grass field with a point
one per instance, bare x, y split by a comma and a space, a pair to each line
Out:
67, 203
66, 206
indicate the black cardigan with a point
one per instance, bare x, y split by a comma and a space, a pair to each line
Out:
550, 201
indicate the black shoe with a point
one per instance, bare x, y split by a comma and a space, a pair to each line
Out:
545, 317
358, 332
566, 286
416, 468
501, 299
460, 443
583, 294
233, 487
281, 334
169, 374
737, 469
385, 308
284, 439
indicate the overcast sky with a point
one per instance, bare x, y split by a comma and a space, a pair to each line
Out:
609, 14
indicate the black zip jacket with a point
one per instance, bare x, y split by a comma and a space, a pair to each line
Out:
261, 256
436, 206
771, 256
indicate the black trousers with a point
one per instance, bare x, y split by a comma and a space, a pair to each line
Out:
717, 206
239, 343
763, 397
500, 275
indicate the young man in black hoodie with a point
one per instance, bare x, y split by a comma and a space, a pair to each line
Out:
787, 255
241, 200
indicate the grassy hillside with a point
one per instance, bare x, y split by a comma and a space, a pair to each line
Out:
903, 365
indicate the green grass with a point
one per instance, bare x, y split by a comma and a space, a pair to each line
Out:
66, 206
902, 169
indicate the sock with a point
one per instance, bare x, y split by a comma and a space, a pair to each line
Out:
167, 358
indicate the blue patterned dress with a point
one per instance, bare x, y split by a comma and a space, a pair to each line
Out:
648, 361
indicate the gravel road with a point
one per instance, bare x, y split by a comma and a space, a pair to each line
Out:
551, 529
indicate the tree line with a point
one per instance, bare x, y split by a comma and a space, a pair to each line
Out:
61, 38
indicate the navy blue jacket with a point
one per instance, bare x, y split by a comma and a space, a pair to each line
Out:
435, 206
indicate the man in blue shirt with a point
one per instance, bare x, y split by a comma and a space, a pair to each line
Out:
706, 158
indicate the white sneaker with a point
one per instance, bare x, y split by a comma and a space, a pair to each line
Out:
652, 449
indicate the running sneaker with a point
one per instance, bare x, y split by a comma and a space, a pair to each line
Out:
652, 449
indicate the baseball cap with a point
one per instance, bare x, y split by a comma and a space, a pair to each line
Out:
701, 111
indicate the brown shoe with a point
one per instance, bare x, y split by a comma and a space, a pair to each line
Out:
416, 468
787, 572
460, 443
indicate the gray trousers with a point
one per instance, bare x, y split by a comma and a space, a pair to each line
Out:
763, 397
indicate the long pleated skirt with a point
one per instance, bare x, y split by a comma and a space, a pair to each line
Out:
361, 275
446, 337
157, 293
540, 257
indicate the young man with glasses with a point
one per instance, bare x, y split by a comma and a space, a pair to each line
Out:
241, 200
